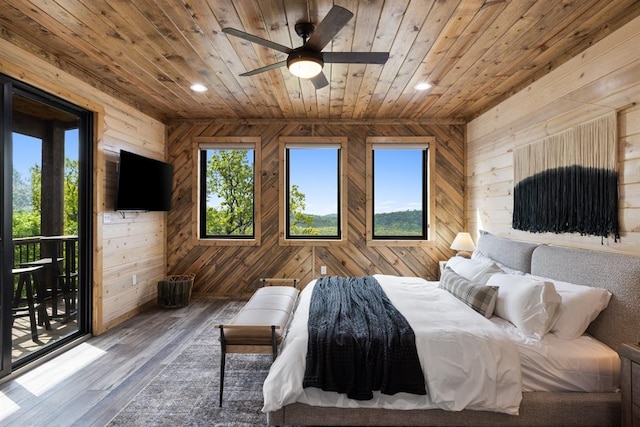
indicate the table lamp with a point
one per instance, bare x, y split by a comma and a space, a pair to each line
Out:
463, 244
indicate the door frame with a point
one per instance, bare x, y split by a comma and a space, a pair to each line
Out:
6, 246
86, 149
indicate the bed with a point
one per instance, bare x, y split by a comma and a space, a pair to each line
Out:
536, 402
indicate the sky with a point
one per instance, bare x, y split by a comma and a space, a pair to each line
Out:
313, 170
27, 151
397, 190
315, 173
397, 185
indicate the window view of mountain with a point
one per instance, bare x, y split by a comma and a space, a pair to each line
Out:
401, 223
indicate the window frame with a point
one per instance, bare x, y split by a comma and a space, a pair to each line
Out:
313, 142
226, 143
428, 191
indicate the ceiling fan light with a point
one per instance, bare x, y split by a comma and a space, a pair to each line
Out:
305, 65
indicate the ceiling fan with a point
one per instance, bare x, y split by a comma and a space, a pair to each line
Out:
307, 60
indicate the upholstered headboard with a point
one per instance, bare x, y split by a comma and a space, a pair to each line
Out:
513, 254
620, 274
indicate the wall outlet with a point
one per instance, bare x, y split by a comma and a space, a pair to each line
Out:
134, 279
106, 218
323, 269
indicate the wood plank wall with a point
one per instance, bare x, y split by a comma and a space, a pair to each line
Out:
605, 77
233, 271
124, 246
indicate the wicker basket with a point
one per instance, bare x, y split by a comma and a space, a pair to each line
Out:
175, 291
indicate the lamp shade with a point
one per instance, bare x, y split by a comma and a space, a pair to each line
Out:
463, 242
305, 64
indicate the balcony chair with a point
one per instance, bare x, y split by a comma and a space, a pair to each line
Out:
28, 299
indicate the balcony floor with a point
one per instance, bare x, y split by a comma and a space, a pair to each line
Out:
23, 344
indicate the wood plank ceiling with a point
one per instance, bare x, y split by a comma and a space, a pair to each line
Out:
147, 53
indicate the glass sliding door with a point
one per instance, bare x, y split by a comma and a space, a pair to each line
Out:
6, 245
45, 285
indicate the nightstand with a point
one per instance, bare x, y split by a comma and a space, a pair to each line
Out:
630, 384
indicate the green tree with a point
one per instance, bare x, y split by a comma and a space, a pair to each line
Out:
26, 221
26, 224
27, 201
400, 223
36, 185
71, 201
21, 196
230, 178
299, 222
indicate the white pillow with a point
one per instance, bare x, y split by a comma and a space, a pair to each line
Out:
479, 256
473, 270
580, 306
532, 305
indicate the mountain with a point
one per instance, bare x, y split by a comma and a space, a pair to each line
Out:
402, 222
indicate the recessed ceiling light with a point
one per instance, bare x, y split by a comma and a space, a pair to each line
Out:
423, 86
198, 87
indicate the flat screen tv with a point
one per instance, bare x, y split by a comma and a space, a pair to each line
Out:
144, 184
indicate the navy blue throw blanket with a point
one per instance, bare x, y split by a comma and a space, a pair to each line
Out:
359, 342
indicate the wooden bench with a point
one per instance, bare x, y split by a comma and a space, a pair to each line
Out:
260, 325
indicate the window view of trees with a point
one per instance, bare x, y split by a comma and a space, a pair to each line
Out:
229, 193
312, 187
27, 201
301, 223
402, 223
26, 218
71, 201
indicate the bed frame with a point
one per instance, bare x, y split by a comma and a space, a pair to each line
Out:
618, 324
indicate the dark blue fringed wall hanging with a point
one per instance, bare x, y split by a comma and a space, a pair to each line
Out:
568, 182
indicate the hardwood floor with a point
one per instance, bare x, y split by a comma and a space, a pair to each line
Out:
89, 384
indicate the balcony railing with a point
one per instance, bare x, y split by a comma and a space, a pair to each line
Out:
30, 249
59, 256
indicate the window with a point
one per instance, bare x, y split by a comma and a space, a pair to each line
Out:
313, 197
399, 207
228, 188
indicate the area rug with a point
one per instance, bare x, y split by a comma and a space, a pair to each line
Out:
186, 391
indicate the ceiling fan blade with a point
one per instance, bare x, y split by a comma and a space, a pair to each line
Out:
355, 57
326, 30
258, 40
265, 68
320, 81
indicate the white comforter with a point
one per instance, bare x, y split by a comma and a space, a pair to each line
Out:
467, 361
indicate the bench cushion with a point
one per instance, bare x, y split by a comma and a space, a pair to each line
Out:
270, 305
277, 290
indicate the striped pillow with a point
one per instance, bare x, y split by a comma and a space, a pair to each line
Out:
479, 297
